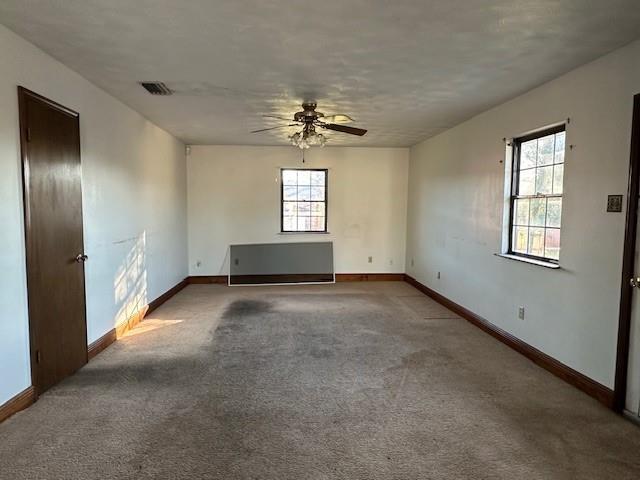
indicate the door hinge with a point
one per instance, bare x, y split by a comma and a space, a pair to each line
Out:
37, 356
28, 134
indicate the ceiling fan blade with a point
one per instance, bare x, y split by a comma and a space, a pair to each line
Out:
279, 118
273, 128
337, 118
344, 129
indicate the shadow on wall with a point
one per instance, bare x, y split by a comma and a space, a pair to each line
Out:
130, 282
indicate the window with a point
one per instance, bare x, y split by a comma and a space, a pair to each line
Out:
304, 200
536, 195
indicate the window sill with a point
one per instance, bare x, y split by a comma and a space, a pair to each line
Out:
304, 233
532, 261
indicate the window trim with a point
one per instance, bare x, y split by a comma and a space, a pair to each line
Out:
515, 180
531, 261
325, 230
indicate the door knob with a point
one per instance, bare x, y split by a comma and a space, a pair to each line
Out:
635, 282
81, 258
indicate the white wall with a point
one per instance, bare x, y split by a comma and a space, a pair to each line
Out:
234, 197
134, 200
456, 204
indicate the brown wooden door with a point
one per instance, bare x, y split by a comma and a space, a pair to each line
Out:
50, 141
627, 380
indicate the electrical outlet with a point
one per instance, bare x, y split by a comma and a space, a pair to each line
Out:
370, 260
438, 276
521, 313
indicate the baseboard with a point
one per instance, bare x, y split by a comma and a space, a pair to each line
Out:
282, 278
101, 343
340, 277
598, 391
17, 403
369, 277
132, 321
166, 295
206, 279
112, 335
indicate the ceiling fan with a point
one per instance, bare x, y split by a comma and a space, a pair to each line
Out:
311, 120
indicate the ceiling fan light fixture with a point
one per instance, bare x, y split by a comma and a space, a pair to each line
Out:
316, 140
298, 140
307, 139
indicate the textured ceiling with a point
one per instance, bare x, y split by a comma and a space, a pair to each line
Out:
404, 69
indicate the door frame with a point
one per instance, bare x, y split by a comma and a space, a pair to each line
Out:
628, 264
23, 95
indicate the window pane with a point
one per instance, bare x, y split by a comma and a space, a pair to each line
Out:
536, 242
528, 152
537, 220
317, 224
552, 243
303, 200
304, 177
558, 173
545, 150
317, 178
289, 177
538, 212
559, 150
304, 224
317, 209
289, 193
527, 182
304, 193
520, 239
317, 193
289, 209
289, 224
544, 180
522, 212
554, 212
304, 209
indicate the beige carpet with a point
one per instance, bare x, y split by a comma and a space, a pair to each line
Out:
347, 381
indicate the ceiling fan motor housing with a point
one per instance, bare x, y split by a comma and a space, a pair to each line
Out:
308, 113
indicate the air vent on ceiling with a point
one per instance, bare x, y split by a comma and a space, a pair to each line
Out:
156, 88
